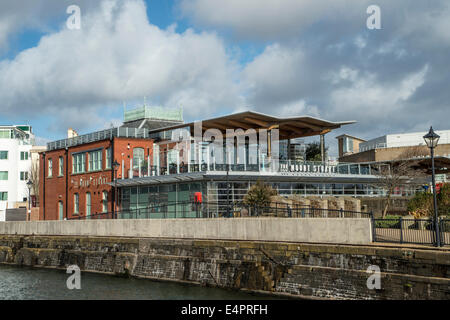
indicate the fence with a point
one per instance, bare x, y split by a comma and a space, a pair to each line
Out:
221, 210
415, 231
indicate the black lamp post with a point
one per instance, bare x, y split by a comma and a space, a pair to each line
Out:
228, 191
431, 139
29, 185
115, 166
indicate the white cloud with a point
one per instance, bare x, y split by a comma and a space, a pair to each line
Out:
367, 97
296, 108
118, 55
17, 15
275, 75
263, 19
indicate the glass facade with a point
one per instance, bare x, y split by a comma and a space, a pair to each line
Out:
159, 201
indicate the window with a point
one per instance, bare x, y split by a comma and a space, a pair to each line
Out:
24, 176
108, 158
50, 167
78, 163
5, 134
95, 160
105, 201
60, 210
3, 196
138, 157
3, 175
3, 155
88, 204
23, 155
61, 166
76, 203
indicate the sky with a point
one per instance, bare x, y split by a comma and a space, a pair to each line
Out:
215, 57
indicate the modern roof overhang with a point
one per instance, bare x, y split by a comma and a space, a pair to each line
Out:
244, 176
289, 128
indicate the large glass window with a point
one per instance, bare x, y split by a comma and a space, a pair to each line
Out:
108, 158
50, 167
5, 134
138, 157
3, 155
76, 203
3, 196
95, 160
61, 166
23, 175
105, 201
88, 204
60, 210
349, 189
23, 155
312, 189
3, 175
78, 163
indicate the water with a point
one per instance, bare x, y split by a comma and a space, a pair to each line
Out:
25, 283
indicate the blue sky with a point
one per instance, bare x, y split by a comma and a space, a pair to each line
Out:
281, 57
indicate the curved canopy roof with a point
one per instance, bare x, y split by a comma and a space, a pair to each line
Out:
289, 128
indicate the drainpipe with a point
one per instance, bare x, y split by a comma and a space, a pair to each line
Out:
113, 193
67, 182
43, 185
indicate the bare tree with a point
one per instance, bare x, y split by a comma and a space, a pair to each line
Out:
400, 171
33, 176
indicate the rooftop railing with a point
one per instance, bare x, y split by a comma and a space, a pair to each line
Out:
98, 136
284, 167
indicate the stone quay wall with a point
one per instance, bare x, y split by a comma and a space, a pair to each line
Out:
298, 270
316, 230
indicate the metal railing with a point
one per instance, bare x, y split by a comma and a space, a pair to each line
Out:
97, 136
298, 167
221, 210
414, 231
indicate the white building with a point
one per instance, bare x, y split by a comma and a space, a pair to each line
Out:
15, 163
402, 140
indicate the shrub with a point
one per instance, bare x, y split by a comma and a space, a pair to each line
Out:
390, 221
259, 195
421, 204
443, 200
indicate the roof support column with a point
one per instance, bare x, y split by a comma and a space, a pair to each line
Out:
322, 148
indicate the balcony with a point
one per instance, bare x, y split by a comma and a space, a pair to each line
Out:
265, 167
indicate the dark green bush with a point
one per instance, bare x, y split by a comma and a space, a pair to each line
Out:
421, 200
390, 221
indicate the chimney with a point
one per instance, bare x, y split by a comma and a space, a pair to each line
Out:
71, 133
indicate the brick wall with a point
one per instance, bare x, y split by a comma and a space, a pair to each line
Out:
62, 188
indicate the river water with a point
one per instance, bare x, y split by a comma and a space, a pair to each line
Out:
25, 283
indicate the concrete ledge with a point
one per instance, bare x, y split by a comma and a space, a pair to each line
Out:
317, 230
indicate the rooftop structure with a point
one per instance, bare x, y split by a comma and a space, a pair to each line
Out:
348, 144
152, 117
289, 128
15, 166
402, 140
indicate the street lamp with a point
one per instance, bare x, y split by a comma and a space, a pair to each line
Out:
431, 139
115, 166
29, 185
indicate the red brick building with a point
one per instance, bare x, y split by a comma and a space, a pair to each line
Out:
74, 179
